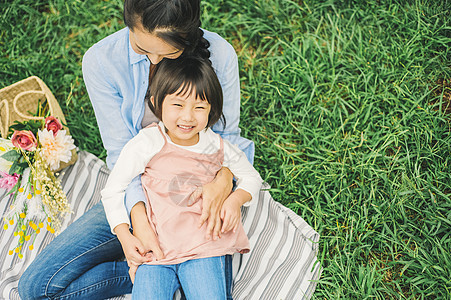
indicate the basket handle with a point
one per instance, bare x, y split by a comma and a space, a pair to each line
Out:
4, 123
16, 109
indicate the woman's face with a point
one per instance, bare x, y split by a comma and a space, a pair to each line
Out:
152, 46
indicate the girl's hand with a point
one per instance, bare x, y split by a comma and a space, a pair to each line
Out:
153, 252
213, 195
231, 210
132, 246
145, 233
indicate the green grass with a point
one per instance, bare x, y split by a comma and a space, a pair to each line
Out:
347, 101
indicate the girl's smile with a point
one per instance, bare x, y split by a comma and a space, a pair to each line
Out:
184, 116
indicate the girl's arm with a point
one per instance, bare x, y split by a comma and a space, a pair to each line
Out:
145, 235
231, 210
144, 232
225, 63
132, 247
131, 162
247, 186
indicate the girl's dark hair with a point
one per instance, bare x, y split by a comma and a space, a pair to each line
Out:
177, 22
183, 75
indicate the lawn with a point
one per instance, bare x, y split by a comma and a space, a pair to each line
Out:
348, 103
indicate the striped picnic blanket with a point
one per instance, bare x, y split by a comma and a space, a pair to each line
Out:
282, 263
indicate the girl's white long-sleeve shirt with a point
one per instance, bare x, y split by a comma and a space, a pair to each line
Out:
146, 144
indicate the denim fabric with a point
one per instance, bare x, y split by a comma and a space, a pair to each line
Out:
83, 262
79, 263
200, 279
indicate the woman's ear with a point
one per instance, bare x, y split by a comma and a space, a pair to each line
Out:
152, 100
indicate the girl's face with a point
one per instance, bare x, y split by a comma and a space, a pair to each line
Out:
184, 116
149, 44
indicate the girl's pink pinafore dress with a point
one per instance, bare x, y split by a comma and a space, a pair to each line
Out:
169, 179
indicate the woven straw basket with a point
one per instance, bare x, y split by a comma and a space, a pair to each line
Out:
19, 101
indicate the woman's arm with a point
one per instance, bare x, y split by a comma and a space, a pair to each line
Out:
213, 196
225, 63
100, 76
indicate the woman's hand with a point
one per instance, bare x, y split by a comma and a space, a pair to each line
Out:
213, 195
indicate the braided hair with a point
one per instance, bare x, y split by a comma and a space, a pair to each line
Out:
177, 22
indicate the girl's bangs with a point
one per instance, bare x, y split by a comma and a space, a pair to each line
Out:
186, 87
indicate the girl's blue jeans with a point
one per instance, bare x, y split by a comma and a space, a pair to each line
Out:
200, 279
84, 262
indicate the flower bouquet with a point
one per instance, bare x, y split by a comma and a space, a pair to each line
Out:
28, 160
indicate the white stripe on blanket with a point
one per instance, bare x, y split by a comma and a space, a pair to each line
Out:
282, 263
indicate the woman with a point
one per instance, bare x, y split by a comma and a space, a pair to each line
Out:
84, 262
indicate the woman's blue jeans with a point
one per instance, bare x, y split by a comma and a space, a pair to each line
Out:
84, 262
200, 279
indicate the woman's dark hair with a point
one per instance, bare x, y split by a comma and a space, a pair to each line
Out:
177, 22
183, 75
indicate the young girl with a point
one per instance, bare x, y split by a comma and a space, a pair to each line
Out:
175, 157
86, 261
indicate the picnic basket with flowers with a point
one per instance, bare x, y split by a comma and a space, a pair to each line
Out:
34, 146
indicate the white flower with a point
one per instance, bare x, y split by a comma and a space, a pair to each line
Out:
55, 149
5, 146
34, 207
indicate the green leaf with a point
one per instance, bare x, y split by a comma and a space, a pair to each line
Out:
11, 155
31, 125
15, 168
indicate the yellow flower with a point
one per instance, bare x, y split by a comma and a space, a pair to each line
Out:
21, 190
24, 227
10, 252
30, 247
29, 196
41, 224
38, 230
21, 233
15, 233
20, 255
11, 222
5, 226
38, 192
27, 237
49, 220
17, 250
49, 228
22, 215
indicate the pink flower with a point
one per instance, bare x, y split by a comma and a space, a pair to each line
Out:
8, 181
52, 124
25, 140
